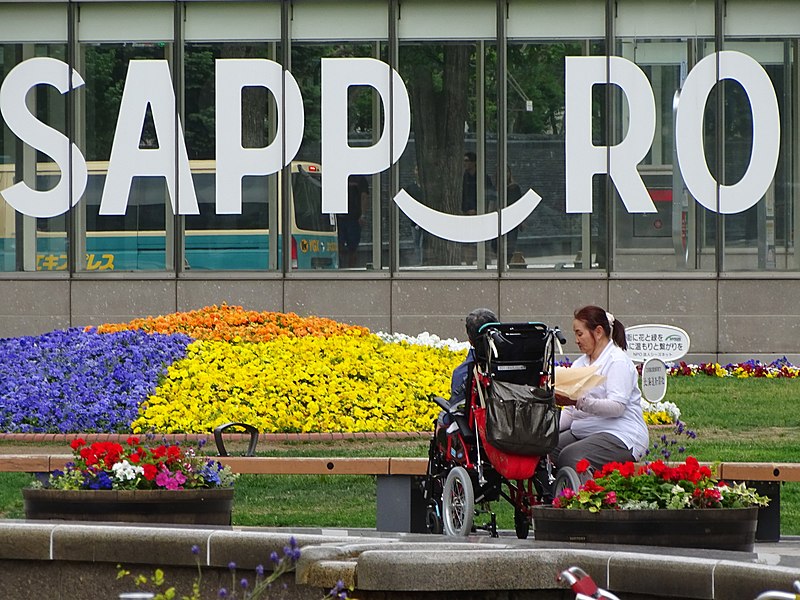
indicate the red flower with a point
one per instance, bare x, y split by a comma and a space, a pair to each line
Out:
150, 471
591, 486
583, 465
77, 443
624, 469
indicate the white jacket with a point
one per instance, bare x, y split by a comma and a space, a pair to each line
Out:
615, 406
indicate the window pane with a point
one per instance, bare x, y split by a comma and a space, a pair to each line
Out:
28, 243
549, 238
761, 237
136, 240
451, 158
352, 240
228, 241
679, 234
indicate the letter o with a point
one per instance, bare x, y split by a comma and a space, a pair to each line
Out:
689, 147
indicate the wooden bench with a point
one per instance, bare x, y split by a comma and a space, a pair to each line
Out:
400, 506
399, 502
767, 479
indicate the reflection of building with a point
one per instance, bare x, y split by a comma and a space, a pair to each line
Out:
684, 265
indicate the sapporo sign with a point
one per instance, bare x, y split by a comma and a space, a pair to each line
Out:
148, 83
665, 342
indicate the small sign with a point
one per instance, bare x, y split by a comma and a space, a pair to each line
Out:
656, 341
654, 380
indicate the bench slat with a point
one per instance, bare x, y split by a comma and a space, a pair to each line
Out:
760, 471
285, 465
268, 465
25, 463
408, 466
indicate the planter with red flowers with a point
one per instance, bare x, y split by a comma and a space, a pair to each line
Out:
135, 482
655, 504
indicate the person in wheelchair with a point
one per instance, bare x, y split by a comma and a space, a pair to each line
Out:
461, 380
606, 425
459, 383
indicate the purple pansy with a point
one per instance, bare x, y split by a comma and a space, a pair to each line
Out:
81, 381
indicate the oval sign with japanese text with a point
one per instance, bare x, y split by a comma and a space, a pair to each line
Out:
654, 380
666, 342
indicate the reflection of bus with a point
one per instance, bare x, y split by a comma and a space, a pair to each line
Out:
137, 240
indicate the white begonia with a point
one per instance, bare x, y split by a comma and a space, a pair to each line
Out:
424, 339
668, 407
124, 471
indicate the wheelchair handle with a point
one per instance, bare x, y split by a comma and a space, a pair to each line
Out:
559, 336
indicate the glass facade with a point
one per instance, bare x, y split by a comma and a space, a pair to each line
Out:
199, 158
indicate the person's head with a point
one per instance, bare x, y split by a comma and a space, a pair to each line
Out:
470, 162
592, 325
476, 319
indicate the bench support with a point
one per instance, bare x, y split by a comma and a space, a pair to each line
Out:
769, 517
400, 504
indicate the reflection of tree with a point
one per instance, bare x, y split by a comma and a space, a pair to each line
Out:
537, 71
437, 78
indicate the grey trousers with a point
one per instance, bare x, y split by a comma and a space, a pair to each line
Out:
598, 449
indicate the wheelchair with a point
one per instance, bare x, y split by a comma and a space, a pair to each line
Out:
495, 444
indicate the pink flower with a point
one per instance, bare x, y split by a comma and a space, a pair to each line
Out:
162, 478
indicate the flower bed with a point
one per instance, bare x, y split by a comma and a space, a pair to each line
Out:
191, 371
655, 504
655, 485
777, 369
138, 466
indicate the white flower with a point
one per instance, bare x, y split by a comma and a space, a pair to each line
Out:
668, 407
124, 471
424, 339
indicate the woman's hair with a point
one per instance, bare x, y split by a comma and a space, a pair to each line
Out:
593, 316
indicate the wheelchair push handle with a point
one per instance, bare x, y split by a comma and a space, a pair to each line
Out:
559, 335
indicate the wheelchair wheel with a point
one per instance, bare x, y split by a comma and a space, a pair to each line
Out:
522, 524
433, 522
566, 477
458, 503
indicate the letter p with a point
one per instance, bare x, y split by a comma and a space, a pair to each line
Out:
339, 159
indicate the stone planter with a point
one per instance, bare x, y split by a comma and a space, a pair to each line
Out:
184, 507
713, 528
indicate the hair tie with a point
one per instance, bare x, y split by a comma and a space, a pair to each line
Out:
610, 318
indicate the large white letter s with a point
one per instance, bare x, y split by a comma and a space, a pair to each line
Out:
29, 129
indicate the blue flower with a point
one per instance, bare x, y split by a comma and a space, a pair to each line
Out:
81, 381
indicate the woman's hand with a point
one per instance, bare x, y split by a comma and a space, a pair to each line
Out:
562, 400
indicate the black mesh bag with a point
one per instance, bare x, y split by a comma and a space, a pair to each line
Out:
521, 419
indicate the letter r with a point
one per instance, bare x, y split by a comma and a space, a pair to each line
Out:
584, 159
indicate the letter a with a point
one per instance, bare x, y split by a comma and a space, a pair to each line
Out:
148, 82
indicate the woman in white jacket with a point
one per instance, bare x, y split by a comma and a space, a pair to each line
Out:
605, 425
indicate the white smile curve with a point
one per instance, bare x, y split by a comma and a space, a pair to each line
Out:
467, 228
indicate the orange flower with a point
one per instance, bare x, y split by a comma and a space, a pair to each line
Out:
235, 324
